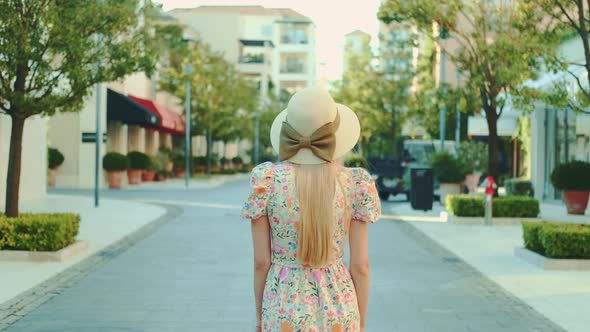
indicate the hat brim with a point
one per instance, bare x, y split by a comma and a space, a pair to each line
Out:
347, 135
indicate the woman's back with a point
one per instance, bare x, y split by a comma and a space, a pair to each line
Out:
298, 296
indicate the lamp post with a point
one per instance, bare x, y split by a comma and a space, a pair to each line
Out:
97, 129
458, 117
261, 104
187, 127
443, 34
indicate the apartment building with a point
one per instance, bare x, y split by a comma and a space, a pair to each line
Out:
278, 42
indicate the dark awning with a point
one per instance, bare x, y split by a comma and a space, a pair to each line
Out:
124, 109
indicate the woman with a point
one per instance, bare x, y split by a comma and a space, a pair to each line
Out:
302, 210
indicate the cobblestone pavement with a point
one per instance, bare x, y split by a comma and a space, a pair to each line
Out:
194, 273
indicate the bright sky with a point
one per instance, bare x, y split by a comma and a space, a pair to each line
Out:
333, 20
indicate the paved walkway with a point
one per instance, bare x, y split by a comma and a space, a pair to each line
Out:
195, 274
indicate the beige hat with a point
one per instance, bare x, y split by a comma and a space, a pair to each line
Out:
314, 129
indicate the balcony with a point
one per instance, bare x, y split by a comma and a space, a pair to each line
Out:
251, 58
293, 68
294, 40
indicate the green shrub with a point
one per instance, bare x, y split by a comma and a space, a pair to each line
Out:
565, 240
474, 156
531, 237
356, 160
502, 207
515, 207
466, 205
573, 175
113, 161
138, 160
447, 168
39, 232
237, 160
224, 161
54, 158
519, 187
200, 161
160, 161
179, 161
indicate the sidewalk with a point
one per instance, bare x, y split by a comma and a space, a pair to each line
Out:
561, 296
100, 227
195, 183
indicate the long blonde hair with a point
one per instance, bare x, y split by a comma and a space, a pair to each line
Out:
316, 188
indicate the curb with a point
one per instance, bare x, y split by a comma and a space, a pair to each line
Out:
18, 307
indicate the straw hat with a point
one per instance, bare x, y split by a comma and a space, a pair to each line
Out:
314, 129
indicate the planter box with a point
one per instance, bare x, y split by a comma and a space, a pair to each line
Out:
495, 221
43, 256
552, 263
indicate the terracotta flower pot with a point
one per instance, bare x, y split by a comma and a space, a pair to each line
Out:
471, 181
115, 179
148, 176
169, 166
576, 201
447, 189
179, 173
161, 177
134, 176
51, 177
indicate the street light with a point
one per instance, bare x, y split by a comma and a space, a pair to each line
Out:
98, 133
443, 34
261, 104
188, 121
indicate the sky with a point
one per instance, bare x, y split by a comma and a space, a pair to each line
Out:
333, 20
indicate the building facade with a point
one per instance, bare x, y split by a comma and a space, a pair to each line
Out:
278, 42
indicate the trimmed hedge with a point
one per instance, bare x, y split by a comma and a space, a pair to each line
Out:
572, 175
39, 232
138, 160
356, 160
114, 161
519, 187
502, 207
558, 240
54, 158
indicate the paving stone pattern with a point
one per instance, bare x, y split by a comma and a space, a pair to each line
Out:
195, 274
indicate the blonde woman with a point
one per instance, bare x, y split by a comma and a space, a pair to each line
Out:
303, 209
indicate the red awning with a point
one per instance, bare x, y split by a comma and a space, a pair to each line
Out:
171, 121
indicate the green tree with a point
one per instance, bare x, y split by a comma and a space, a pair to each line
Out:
50, 52
222, 101
500, 47
569, 18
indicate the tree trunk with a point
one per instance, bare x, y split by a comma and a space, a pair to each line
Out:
14, 165
492, 120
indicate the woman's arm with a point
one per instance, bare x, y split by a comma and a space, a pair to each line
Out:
261, 241
359, 265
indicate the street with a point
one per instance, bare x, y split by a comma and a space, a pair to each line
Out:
194, 273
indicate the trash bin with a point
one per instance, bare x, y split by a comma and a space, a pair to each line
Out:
422, 188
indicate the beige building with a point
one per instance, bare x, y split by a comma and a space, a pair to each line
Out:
278, 42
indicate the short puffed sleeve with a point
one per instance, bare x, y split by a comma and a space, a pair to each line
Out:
261, 184
366, 204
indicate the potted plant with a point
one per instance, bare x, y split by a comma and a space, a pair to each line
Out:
149, 173
449, 172
179, 165
54, 160
574, 179
138, 162
237, 162
170, 163
356, 160
199, 164
161, 161
475, 160
115, 164
224, 162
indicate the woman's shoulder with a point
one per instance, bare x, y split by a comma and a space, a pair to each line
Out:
269, 168
359, 175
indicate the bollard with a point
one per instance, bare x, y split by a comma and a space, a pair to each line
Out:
490, 191
488, 210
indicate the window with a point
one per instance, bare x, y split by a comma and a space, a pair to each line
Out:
267, 30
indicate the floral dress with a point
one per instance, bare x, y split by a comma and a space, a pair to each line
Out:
296, 297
